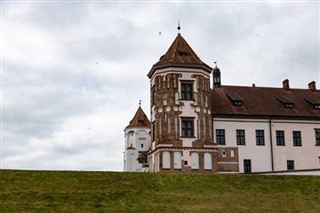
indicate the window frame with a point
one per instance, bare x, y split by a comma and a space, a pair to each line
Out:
220, 136
186, 92
153, 95
260, 137
153, 131
247, 166
290, 164
241, 137
296, 138
317, 136
280, 139
185, 129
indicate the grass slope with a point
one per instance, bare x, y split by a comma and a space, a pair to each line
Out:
62, 191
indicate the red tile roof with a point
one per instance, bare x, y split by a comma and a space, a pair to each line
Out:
179, 54
139, 120
265, 101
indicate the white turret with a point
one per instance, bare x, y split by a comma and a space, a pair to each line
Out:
137, 143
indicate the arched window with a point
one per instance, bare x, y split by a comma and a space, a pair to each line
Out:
224, 153
177, 160
207, 161
166, 160
232, 153
132, 162
194, 160
130, 139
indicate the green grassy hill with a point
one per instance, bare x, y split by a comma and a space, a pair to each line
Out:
61, 191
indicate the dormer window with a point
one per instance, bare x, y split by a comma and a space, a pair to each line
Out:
237, 103
286, 102
314, 103
288, 105
235, 98
182, 53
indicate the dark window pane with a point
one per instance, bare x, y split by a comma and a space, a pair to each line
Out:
280, 138
220, 136
290, 165
241, 137
260, 137
186, 91
187, 127
296, 138
317, 134
247, 166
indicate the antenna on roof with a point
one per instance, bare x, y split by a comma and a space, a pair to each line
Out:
178, 28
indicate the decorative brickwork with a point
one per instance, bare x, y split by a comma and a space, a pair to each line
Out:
164, 92
181, 113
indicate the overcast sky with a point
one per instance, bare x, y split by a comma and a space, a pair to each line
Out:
73, 72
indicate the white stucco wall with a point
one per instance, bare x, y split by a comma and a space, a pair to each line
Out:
140, 140
305, 156
260, 155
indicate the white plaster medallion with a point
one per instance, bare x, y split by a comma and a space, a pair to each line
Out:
175, 108
168, 109
198, 109
160, 109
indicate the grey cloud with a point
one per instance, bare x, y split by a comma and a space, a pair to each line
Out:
71, 66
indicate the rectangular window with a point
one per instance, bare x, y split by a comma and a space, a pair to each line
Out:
296, 138
164, 98
247, 166
260, 137
187, 127
317, 134
186, 90
290, 164
165, 116
152, 95
153, 131
241, 140
280, 138
220, 137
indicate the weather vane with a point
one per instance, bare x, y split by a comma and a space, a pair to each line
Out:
178, 27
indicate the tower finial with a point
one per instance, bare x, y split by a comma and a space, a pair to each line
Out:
215, 63
139, 103
178, 27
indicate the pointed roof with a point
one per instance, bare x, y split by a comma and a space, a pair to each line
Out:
179, 54
139, 120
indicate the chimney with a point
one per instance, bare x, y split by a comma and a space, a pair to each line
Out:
312, 86
285, 84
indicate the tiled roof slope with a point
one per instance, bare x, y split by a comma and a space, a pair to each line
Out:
264, 101
139, 120
179, 54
